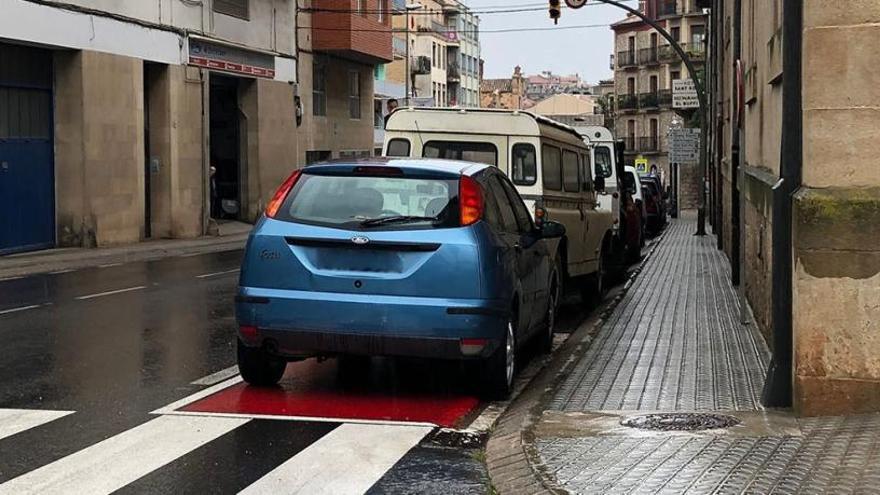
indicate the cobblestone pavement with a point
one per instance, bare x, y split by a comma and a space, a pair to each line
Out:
674, 343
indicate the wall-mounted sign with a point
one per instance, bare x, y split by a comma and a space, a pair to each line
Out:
227, 58
684, 94
684, 145
641, 165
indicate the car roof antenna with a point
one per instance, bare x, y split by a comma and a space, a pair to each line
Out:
419, 134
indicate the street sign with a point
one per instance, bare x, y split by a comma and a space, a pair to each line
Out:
575, 4
641, 165
684, 145
684, 94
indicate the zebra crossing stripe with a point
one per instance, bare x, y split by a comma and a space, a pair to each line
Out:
14, 421
119, 460
348, 460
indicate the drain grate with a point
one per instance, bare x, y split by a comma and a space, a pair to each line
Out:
680, 421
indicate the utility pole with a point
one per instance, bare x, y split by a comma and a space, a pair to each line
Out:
701, 95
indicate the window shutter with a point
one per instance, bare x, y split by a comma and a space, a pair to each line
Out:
235, 8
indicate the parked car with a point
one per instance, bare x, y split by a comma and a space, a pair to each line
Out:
409, 257
547, 161
635, 189
655, 205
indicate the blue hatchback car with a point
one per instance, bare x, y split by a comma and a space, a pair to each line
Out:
404, 257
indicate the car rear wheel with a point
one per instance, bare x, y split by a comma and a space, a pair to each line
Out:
500, 367
257, 367
596, 285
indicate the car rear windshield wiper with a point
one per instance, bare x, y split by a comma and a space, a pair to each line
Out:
373, 222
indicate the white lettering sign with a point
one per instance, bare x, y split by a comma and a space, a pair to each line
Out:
684, 94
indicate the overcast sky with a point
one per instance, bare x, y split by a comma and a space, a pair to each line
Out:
582, 51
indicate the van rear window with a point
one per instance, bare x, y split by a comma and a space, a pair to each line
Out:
398, 147
469, 151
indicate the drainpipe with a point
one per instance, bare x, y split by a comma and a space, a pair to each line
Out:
778, 386
735, 151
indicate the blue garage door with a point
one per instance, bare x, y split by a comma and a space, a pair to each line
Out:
27, 177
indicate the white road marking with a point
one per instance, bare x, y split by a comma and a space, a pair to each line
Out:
217, 274
348, 460
23, 308
198, 395
109, 265
14, 421
217, 377
110, 293
119, 460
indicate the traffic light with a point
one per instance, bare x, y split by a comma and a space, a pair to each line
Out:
554, 11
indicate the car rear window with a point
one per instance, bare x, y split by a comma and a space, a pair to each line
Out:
347, 201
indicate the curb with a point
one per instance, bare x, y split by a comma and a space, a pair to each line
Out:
511, 457
42, 264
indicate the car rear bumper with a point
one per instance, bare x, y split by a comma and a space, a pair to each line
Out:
303, 323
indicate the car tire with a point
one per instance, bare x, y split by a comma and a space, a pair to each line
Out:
546, 343
257, 367
597, 281
500, 368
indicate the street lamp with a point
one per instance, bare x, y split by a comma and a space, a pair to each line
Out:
409, 7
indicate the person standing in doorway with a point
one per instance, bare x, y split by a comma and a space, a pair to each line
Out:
392, 106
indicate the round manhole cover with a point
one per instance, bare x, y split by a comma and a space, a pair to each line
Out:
680, 421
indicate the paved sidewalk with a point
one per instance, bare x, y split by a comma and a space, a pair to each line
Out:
674, 344
231, 236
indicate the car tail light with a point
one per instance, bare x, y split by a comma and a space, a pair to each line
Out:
473, 347
248, 331
470, 200
281, 194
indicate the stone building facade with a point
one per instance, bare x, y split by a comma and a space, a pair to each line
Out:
113, 113
833, 260
644, 68
509, 93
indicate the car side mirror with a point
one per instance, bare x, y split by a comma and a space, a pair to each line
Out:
552, 230
599, 183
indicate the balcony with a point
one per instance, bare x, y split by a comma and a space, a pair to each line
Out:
649, 101
667, 55
696, 51
627, 103
673, 8
664, 98
453, 74
629, 144
420, 65
343, 33
649, 144
627, 59
649, 56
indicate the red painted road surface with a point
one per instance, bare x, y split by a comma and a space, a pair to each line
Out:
311, 389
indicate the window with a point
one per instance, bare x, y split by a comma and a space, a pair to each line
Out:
523, 219
570, 178
676, 33
354, 95
382, 8
505, 207
398, 147
316, 156
235, 8
602, 155
675, 75
492, 213
551, 168
524, 166
319, 90
345, 201
359, 7
462, 150
586, 172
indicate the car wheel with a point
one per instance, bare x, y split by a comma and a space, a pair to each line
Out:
257, 367
597, 280
552, 307
500, 367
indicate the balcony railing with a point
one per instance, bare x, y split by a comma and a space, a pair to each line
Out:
664, 98
649, 100
627, 59
648, 56
667, 8
651, 143
696, 51
629, 144
452, 72
627, 102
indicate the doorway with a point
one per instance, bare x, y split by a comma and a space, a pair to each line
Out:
225, 138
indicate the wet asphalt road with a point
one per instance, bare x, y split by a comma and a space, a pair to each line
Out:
114, 343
